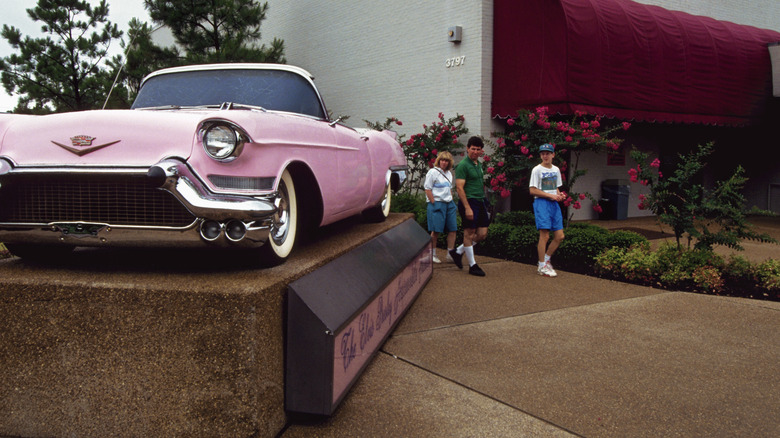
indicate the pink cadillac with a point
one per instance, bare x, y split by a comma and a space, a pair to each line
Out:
223, 155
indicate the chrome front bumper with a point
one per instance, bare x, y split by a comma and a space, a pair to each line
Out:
226, 220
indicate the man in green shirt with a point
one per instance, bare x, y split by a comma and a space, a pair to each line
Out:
469, 182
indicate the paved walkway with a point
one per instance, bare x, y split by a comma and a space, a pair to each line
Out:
515, 354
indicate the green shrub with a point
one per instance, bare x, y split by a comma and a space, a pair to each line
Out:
625, 239
581, 245
768, 275
516, 218
636, 264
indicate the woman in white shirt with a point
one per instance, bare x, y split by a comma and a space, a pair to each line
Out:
442, 210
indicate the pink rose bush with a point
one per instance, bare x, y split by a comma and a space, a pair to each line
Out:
421, 149
517, 149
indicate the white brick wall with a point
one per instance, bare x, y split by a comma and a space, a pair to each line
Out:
374, 59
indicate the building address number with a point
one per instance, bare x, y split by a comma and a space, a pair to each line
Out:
455, 62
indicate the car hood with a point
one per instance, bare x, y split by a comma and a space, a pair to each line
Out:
99, 138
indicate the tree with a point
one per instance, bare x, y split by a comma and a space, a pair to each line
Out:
142, 56
61, 71
708, 216
217, 30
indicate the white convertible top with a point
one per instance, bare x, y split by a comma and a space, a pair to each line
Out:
230, 66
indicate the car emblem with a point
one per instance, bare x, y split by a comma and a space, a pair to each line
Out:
81, 141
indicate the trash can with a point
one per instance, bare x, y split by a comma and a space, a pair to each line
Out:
616, 192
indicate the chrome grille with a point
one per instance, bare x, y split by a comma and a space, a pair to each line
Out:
114, 200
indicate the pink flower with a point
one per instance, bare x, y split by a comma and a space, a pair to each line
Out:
568, 138
518, 142
524, 150
576, 205
582, 196
510, 122
524, 137
505, 193
597, 208
501, 177
656, 163
626, 125
399, 123
595, 124
500, 164
486, 158
435, 152
490, 170
641, 206
441, 115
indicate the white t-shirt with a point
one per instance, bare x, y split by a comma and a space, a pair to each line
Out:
439, 182
546, 180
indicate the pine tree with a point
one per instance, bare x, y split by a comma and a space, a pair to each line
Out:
63, 70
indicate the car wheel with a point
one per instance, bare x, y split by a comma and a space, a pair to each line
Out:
381, 211
284, 228
40, 253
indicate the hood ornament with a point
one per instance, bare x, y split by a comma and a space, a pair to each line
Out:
82, 141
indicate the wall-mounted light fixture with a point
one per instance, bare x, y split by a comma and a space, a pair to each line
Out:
454, 34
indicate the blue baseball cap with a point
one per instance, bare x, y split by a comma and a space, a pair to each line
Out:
547, 147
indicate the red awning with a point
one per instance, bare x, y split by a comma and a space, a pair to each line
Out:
628, 60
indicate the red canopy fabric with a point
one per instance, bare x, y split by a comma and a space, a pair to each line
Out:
628, 60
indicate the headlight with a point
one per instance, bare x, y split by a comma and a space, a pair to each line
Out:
223, 141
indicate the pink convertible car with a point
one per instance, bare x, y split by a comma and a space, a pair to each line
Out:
224, 155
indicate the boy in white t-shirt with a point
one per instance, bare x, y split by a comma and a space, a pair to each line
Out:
544, 184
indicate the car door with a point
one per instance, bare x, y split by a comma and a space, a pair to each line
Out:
355, 168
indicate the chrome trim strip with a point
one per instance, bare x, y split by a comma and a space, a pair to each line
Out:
121, 236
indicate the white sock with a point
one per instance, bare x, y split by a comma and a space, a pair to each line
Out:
469, 250
541, 264
546, 258
460, 249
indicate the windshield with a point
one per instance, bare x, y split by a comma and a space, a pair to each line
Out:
276, 90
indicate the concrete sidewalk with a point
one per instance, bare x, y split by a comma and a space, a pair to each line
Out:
516, 354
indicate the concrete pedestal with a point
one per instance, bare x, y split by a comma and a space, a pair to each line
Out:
142, 343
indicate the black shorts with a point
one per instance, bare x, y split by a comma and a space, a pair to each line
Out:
481, 214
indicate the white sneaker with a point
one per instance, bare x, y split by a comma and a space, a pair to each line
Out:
547, 270
436, 259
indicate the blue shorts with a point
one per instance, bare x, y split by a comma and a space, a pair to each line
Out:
548, 215
441, 217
